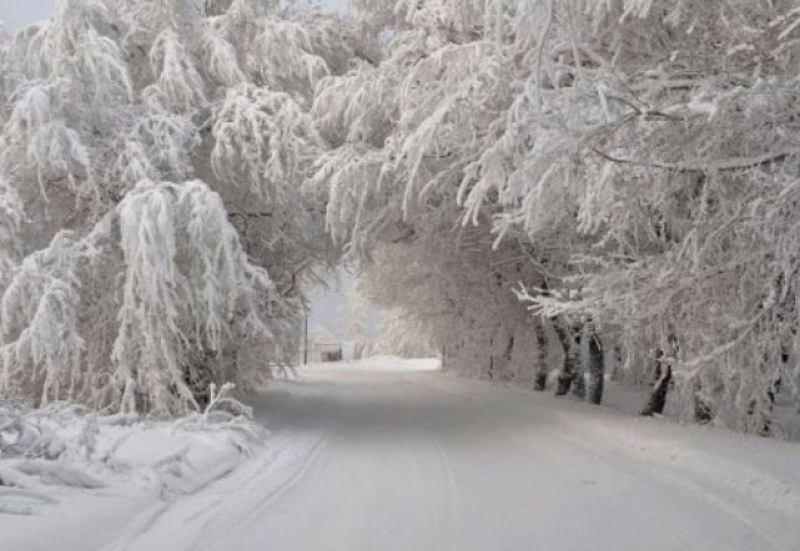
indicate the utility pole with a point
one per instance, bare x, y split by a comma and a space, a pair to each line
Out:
305, 339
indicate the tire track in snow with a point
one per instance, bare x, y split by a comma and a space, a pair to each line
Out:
451, 493
263, 490
204, 521
419, 462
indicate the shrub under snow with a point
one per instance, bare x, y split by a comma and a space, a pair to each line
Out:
45, 452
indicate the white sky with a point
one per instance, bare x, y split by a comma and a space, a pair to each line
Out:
18, 13
326, 306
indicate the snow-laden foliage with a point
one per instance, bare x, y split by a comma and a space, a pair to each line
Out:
453, 299
401, 137
155, 230
538, 187
399, 334
670, 150
188, 285
11, 218
638, 159
261, 137
354, 314
47, 449
41, 348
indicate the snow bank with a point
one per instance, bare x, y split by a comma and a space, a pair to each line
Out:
89, 474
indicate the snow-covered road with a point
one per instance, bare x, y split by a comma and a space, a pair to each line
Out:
415, 460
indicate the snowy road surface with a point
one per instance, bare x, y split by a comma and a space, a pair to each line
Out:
415, 460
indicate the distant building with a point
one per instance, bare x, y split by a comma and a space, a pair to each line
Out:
324, 346
331, 354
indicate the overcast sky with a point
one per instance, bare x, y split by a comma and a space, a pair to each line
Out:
18, 13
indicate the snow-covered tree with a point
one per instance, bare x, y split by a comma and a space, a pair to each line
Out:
402, 139
658, 134
536, 186
156, 229
401, 334
639, 152
355, 313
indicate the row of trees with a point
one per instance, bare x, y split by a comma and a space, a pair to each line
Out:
627, 168
536, 188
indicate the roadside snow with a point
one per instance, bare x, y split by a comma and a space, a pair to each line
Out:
399, 458
71, 480
393, 455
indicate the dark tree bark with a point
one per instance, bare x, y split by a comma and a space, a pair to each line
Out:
491, 367
540, 383
509, 349
568, 376
491, 359
703, 411
616, 370
579, 378
597, 369
767, 426
658, 394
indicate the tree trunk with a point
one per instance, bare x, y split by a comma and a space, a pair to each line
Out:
703, 412
540, 382
767, 426
507, 355
579, 377
597, 369
616, 369
658, 394
491, 359
509, 349
570, 339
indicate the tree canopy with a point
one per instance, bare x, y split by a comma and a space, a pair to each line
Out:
532, 186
